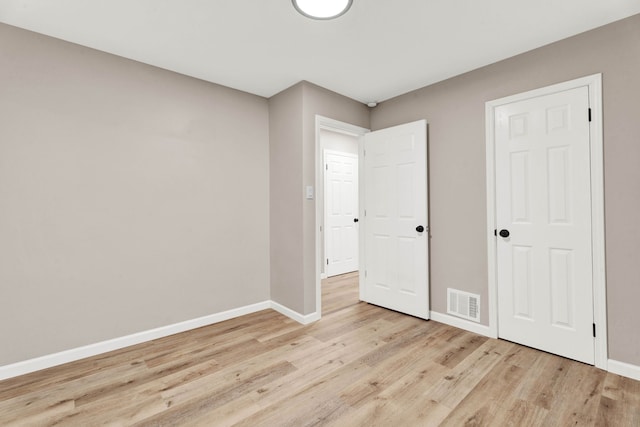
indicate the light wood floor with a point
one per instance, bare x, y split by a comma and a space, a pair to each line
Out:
360, 365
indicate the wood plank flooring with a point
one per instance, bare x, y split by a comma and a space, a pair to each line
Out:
360, 365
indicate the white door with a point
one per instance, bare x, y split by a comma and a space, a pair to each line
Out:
396, 228
543, 203
341, 204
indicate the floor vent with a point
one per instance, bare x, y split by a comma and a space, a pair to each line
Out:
463, 304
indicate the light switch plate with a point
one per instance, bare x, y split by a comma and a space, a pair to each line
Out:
309, 192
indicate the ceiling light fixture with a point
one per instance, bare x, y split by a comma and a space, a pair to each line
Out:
322, 9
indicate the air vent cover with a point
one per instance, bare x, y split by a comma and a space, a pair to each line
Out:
463, 304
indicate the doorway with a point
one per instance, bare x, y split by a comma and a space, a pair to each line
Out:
338, 136
545, 213
341, 195
340, 292
393, 239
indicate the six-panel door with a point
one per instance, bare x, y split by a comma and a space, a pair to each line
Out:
545, 296
341, 198
396, 268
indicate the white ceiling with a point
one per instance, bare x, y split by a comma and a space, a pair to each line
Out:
379, 49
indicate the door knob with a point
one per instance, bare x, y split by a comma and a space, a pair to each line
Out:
355, 220
419, 229
504, 233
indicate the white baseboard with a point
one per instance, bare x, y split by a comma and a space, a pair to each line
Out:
43, 362
613, 366
300, 318
55, 359
462, 324
50, 360
624, 369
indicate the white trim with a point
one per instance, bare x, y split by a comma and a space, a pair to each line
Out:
71, 355
325, 123
615, 367
55, 359
597, 221
338, 126
594, 85
491, 219
467, 325
300, 318
625, 369
362, 225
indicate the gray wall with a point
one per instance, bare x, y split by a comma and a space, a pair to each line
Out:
455, 112
338, 142
286, 193
130, 197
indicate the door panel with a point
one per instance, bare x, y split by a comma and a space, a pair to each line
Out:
562, 292
341, 186
520, 188
396, 267
543, 191
522, 282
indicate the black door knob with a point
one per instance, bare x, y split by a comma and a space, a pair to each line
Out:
419, 229
504, 233
355, 220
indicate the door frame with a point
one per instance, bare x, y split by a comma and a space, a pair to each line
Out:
325, 123
594, 85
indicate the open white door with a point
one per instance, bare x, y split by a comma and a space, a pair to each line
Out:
341, 224
543, 214
395, 221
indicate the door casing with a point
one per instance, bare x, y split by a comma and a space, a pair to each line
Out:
348, 129
594, 85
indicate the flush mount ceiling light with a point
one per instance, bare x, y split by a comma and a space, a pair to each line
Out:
322, 9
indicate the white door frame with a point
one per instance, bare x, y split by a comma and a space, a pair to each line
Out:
325, 123
594, 85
